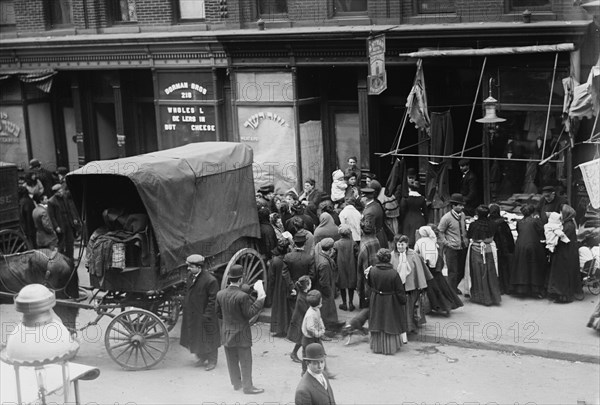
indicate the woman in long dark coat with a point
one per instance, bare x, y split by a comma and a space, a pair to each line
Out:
325, 280
413, 211
387, 301
564, 282
281, 306
528, 270
346, 252
505, 244
294, 333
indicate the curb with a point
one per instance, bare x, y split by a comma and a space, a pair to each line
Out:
493, 346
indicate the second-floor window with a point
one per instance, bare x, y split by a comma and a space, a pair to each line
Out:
60, 13
123, 10
7, 14
350, 6
191, 10
267, 8
434, 6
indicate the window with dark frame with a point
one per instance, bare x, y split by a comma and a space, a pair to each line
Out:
123, 11
350, 7
434, 6
7, 14
268, 8
531, 5
191, 10
60, 13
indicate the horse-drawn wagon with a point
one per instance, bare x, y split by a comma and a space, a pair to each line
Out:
142, 217
12, 239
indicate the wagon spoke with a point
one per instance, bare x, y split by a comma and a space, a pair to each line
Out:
141, 350
128, 349
120, 345
152, 347
155, 335
144, 349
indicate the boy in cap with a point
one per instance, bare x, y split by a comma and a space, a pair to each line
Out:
453, 233
236, 308
313, 328
200, 327
314, 388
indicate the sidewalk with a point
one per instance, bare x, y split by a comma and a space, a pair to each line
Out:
518, 325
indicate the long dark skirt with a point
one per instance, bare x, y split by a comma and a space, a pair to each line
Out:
415, 316
485, 287
441, 297
384, 343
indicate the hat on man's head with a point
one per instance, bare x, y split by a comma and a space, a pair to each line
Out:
464, 162
236, 271
327, 243
549, 188
314, 351
62, 170
457, 198
269, 188
367, 190
56, 187
299, 237
34, 163
411, 171
195, 259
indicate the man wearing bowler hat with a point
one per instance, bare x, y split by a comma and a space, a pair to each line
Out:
549, 202
468, 186
314, 387
453, 233
200, 327
236, 308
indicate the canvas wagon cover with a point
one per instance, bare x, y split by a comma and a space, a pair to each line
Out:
199, 197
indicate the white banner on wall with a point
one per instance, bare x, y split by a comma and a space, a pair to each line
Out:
591, 177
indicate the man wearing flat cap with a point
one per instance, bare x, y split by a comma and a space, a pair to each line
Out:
468, 186
235, 307
453, 233
200, 326
297, 263
265, 199
550, 202
373, 213
64, 218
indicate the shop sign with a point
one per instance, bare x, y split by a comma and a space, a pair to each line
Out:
9, 131
182, 124
185, 86
377, 79
254, 121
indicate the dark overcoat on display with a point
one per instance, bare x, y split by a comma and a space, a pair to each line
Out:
200, 326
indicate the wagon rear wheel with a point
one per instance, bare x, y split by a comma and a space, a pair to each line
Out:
136, 339
594, 286
168, 311
13, 241
254, 269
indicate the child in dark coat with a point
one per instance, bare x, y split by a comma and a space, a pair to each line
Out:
302, 286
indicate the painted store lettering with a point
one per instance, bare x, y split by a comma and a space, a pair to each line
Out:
254, 120
185, 85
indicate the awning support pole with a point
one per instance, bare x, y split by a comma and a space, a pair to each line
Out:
502, 159
473, 109
549, 105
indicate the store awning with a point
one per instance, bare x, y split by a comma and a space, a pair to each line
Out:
42, 79
508, 50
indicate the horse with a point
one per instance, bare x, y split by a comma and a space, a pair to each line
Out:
41, 266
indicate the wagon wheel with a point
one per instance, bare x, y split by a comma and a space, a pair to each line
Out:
168, 312
594, 286
136, 339
254, 270
13, 241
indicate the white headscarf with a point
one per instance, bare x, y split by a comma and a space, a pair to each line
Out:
426, 246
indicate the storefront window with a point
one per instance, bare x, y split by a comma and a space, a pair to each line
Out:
123, 10
7, 14
268, 8
435, 6
60, 13
350, 6
191, 10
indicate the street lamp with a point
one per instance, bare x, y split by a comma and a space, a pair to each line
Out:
39, 340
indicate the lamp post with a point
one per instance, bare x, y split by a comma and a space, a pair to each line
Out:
39, 340
489, 120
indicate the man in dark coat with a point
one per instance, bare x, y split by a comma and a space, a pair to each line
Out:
236, 308
43, 175
265, 199
468, 187
549, 202
200, 327
298, 263
63, 215
314, 387
373, 214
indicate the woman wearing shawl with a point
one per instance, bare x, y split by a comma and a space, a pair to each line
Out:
564, 282
387, 301
346, 264
367, 256
281, 306
481, 275
505, 243
528, 268
414, 274
277, 224
325, 280
326, 229
441, 297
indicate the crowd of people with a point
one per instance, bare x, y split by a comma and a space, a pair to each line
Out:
47, 214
